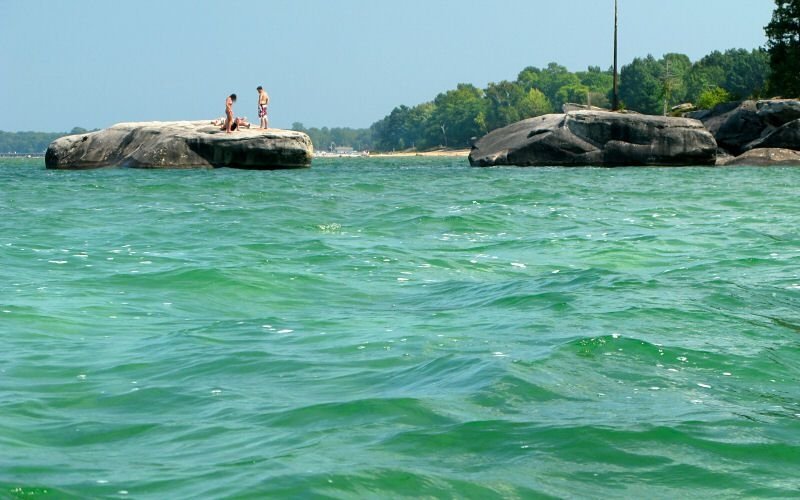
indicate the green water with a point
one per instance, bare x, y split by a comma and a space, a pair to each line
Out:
389, 328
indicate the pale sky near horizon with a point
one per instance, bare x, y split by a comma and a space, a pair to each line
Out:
93, 63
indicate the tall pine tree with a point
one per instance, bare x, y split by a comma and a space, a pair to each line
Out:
783, 42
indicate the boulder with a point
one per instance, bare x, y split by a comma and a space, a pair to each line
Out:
778, 112
739, 126
723, 157
197, 144
597, 138
785, 137
734, 125
765, 157
682, 109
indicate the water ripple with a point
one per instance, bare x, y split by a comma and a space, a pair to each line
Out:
399, 328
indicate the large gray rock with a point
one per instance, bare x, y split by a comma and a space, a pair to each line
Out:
764, 157
785, 137
733, 125
778, 112
740, 126
196, 144
597, 138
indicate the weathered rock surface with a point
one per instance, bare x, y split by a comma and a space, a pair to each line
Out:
597, 138
733, 125
741, 126
764, 157
785, 137
778, 112
195, 144
683, 108
723, 157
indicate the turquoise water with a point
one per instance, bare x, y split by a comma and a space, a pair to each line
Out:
388, 328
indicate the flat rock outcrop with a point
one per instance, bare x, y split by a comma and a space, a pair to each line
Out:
188, 144
764, 157
597, 138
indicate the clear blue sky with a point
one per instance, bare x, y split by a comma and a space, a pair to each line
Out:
93, 63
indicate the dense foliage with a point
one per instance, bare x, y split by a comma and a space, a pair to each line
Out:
31, 142
711, 97
326, 139
783, 42
647, 85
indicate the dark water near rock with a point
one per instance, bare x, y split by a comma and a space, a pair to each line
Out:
392, 328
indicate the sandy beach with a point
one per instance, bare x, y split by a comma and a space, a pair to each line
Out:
435, 153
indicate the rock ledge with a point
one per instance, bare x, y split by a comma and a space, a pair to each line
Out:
597, 138
764, 157
187, 144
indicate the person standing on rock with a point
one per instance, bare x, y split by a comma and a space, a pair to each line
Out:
263, 102
229, 113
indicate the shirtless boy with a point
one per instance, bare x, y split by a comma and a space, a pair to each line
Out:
229, 112
263, 102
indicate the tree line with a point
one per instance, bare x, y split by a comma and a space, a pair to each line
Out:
647, 85
31, 142
327, 139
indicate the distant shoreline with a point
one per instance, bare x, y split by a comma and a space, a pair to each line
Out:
437, 153
453, 153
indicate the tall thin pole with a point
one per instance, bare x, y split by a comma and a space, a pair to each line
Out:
615, 102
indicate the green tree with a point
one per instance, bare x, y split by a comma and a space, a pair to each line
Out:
391, 132
552, 79
746, 72
675, 67
641, 87
704, 75
600, 84
405, 128
549, 80
528, 78
577, 93
503, 104
711, 97
740, 72
456, 115
534, 103
783, 43
596, 79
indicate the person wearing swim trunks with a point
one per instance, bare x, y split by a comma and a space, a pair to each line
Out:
263, 102
229, 113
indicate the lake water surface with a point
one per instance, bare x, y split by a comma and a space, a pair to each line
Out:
389, 328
